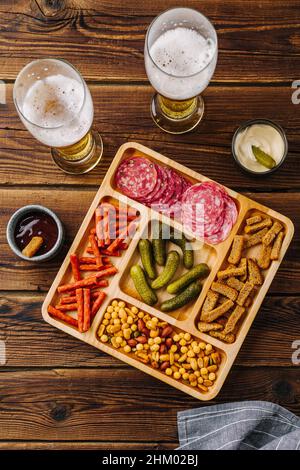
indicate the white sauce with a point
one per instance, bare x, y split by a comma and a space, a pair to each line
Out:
264, 136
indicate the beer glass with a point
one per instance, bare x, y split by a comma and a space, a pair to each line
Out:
55, 105
181, 51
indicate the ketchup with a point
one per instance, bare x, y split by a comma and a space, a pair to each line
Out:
36, 224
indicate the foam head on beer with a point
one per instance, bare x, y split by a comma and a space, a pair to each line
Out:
56, 108
180, 60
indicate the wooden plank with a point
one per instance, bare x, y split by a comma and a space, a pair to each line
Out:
122, 114
106, 39
21, 323
71, 404
71, 206
98, 445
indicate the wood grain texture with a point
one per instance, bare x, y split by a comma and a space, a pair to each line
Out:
71, 208
86, 445
268, 343
106, 39
72, 404
208, 150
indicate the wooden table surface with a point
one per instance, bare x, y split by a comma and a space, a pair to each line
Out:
59, 393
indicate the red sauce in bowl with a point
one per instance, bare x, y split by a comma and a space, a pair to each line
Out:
36, 224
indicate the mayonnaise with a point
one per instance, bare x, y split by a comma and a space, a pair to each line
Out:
264, 136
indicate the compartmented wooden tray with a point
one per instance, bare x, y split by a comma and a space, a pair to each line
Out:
121, 288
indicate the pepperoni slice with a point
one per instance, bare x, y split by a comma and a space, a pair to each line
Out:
136, 177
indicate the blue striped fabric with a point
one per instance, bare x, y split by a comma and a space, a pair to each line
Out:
248, 425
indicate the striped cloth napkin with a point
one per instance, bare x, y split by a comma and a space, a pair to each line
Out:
248, 425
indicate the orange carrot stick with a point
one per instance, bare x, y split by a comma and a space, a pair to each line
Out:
96, 251
114, 253
123, 246
75, 267
97, 304
106, 272
71, 299
125, 218
106, 226
86, 309
115, 244
87, 282
88, 259
62, 316
98, 226
67, 307
79, 297
101, 283
92, 260
94, 267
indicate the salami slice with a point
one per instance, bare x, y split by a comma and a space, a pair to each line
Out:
220, 213
223, 232
178, 185
164, 183
157, 189
169, 189
136, 177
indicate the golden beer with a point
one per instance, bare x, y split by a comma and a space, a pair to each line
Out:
55, 105
180, 59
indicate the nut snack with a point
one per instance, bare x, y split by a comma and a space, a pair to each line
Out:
143, 285
155, 342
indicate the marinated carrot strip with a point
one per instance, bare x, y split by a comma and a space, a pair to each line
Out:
75, 267
123, 246
88, 282
101, 283
114, 253
96, 251
67, 307
72, 298
94, 267
79, 297
62, 316
86, 309
126, 218
98, 226
97, 304
106, 272
105, 222
115, 244
93, 231
128, 211
90, 260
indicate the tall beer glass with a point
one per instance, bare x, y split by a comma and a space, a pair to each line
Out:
55, 105
181, 51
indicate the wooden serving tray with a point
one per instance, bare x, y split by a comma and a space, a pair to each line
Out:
121, 288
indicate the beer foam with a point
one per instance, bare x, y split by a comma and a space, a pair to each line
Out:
58, 110
182, 51
53, 101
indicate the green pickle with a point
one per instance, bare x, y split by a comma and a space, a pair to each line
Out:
140, 282
199, 271
263, 158
159, 250
188, 253
145, 249
189, 294
170, 268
